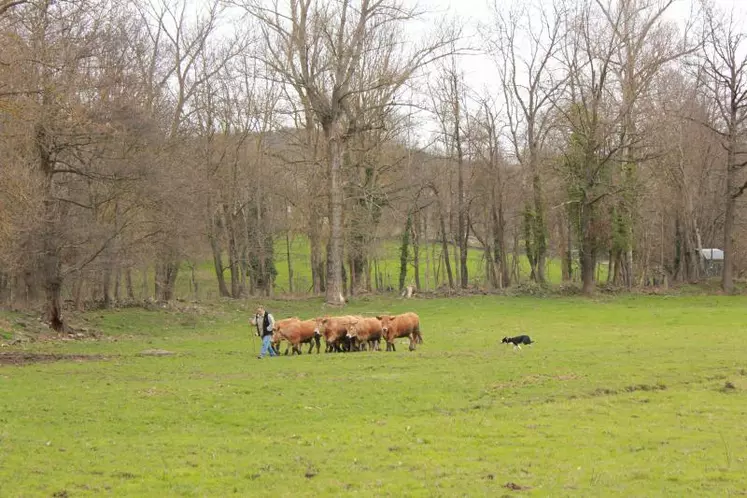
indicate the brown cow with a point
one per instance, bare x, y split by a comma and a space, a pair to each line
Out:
404, 325
297, 333
366, 331
277, 338
335, 329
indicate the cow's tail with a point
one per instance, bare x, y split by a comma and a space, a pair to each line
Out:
418, 335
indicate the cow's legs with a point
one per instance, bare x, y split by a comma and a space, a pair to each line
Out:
318, 345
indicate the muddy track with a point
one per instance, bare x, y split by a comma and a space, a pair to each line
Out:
23, 358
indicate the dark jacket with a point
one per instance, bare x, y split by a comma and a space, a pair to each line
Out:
267, 320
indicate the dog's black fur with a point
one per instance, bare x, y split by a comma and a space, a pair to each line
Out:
517, 341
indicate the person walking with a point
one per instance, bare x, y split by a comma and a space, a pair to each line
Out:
265, 324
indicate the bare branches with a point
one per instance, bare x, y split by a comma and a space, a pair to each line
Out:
6, 5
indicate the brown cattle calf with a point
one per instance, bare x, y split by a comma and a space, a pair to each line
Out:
297, 333
366, 331
404, 325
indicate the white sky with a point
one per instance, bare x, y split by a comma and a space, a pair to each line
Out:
478, 69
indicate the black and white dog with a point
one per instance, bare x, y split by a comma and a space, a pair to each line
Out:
517, 341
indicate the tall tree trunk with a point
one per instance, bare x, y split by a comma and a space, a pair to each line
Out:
427, 252
727, 279
445, 248
218, 266
500, 253
195, 283
106, 285
416, 248
166, 273
565, 250
117, 284
51, 264
288, 243
333, 294
404, 251
540, 230
530, 242
317, 263
229, 222
464, 244
587, 254
462, 226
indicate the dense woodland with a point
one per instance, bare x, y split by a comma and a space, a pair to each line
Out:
148, 136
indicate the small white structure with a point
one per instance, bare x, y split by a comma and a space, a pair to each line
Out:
713, 260
712, 254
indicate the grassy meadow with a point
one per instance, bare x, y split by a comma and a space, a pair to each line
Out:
631, 396
386, 255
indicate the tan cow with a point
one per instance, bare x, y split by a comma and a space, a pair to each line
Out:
404, 325
276, 339
335, 329
366, 331
296, 333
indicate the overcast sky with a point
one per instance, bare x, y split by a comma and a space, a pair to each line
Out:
478, 69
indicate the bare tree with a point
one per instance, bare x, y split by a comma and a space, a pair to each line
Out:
178, 42
316, 48
592, 122
448, 103
647, 44
525, 43
493, 180
724, 69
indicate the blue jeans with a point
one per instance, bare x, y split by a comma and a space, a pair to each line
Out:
267, 346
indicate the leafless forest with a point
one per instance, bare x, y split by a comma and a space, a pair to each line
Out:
145, 137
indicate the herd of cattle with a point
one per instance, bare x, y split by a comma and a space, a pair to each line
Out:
346, 333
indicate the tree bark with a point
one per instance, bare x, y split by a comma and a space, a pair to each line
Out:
290, 260
727, 278
229, 222
333, 294
404, 251
539, 229
587, 254
445, 247
416, 248
218, 266
317, 263
462, 227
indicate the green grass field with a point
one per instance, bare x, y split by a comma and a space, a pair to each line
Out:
386, 255
632, 396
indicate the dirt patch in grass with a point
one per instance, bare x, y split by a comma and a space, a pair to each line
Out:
22, 358
603, 391
516, 487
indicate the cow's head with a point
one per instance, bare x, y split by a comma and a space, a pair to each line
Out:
320, 324
277, 333
385, 320
352, 330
